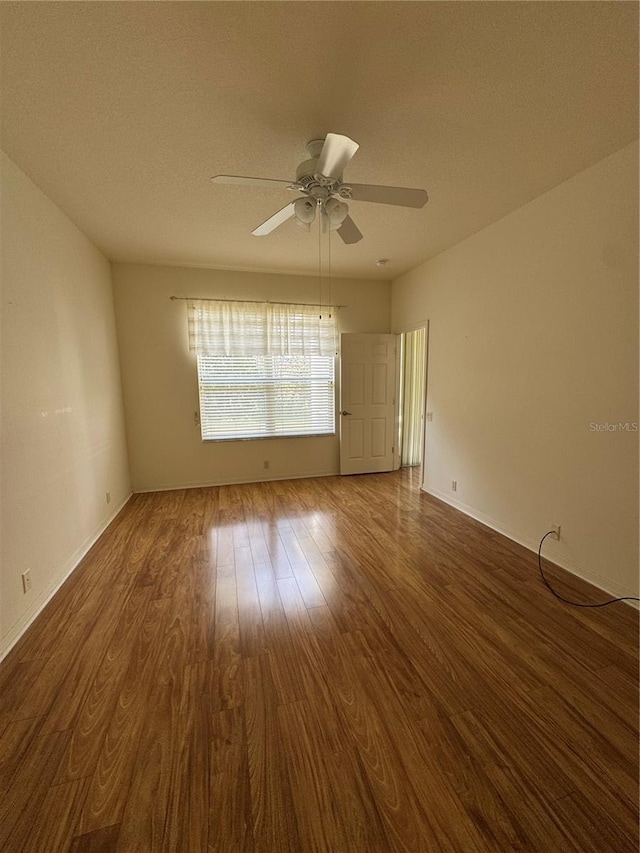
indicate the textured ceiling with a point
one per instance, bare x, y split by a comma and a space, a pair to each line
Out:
121, 112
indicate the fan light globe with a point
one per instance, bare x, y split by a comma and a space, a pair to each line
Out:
337, 211
305, 210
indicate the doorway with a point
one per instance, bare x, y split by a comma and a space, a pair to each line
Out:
412, 394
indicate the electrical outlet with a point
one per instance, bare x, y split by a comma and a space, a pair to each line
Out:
454, 485
265, 464
107, 496
26, 580
556, 531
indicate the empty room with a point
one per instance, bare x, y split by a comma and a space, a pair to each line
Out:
319, 454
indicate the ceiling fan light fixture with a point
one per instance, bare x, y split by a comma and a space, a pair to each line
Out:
305, 211
337, 212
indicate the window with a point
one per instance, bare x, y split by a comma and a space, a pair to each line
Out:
264, 369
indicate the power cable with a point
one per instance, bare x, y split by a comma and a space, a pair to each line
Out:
567, 600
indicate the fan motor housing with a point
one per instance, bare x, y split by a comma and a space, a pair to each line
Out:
306, 172
309, 182
314, 147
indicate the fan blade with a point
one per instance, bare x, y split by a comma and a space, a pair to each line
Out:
336, 153
348, 231
402, 196
251, 182
272, 222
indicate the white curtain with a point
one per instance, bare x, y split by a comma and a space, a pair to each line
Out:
261, 328
412, 400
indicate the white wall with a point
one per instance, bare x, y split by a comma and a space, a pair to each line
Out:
63, 439
533, 337
160, 380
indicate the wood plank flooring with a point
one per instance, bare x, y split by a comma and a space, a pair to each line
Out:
339, 665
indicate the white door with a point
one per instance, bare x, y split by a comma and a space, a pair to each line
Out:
367, 405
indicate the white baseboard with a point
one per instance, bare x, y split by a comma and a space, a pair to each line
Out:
569, 565
18, 628
234, 482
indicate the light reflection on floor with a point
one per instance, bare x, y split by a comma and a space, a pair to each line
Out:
291, 544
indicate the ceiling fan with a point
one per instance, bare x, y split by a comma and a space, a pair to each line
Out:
320, 180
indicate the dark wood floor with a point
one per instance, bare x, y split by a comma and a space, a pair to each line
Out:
340, 664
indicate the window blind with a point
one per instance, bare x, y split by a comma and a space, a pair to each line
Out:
262, 396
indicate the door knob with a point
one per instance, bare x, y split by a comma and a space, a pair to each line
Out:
345, 413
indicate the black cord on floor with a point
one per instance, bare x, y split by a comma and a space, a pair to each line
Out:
566, 600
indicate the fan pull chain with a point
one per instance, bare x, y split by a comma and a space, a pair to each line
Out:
320, 258
329, 265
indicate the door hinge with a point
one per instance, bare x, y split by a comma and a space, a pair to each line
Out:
393, 450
